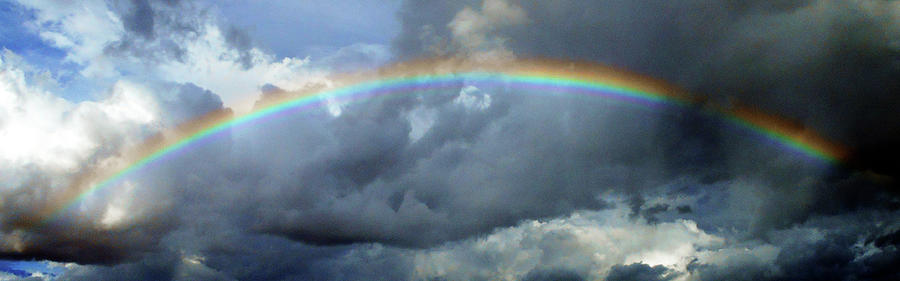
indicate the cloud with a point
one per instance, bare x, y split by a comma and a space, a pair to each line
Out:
584, 246
467, 182
553, 274
52, 141
428, 183
240, 40
82, 29
813, 61
139, 19
471, 28
578, 247
172, 41
30, 115
640, 271
791, 58
822, 252
356, 57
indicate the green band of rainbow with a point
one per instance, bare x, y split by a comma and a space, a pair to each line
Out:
414, 84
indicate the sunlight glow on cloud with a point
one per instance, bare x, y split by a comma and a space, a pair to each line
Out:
586, 242
210, 64
77, 130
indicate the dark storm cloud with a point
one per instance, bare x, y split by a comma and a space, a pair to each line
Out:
647, 212
307, 176
68, 243
640, 271
828, 64
840, 254
316, 196
159, 266
211, 249
449, 184
552, 275
783, 207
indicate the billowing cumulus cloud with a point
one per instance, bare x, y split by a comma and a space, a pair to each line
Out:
465, 182
589, 245
52, 141
178, 41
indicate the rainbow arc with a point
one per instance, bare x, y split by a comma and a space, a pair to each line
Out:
575, 78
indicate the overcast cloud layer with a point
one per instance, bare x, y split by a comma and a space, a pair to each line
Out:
464, 183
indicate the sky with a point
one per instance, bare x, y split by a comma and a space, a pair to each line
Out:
460, 182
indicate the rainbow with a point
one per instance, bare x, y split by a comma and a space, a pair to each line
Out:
576, 78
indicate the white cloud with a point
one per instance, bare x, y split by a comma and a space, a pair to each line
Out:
210, 64
85, 30
588, 242
469, 98
472, 29
420, 121
469, 27
118, 207
44, 131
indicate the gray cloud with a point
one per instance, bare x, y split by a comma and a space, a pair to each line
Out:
827, 64
552, 275
240, 41
189, 103
155, 30
398, 188
824, 63
428, 184
640, 271
837, 253
140, 19
158, 31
